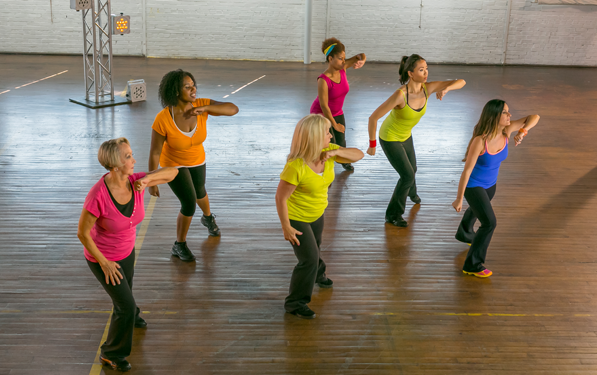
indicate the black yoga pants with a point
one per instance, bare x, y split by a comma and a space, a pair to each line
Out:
479, 201
310, 267
402, 157
120, 335
188, 186
339, 138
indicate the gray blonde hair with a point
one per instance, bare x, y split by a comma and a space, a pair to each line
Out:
109, 153
308, 139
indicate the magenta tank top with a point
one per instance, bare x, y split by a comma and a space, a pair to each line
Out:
336, 94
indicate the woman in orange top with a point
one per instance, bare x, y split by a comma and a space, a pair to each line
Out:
179, 131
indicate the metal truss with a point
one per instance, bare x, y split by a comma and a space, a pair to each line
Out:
97, 51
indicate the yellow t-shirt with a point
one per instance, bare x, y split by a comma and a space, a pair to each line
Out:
179, 149
310, 198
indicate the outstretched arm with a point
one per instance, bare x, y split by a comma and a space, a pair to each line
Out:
441, 88
522, 126
160, 176
397, 99
471, 160
357, 61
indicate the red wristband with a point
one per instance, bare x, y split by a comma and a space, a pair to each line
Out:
523, 131
372, 143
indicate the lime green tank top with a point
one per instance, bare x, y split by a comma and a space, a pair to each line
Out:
399, 124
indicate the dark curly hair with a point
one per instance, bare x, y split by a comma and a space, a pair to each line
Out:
338, 48
171, 85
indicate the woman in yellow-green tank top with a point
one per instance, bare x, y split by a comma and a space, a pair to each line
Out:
407, 105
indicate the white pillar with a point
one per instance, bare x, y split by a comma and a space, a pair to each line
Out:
308, 21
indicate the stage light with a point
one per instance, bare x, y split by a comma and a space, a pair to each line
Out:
136, 90
80, 4
121, 24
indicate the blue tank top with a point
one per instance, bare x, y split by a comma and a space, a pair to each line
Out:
485, 173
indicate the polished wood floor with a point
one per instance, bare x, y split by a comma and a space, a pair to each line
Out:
400, 304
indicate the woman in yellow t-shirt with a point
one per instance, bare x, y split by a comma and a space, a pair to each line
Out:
177, 141
301, 199
408, 104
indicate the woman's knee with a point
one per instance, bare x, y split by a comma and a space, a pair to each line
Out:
188, 207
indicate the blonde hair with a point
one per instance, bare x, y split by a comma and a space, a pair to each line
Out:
308, 139
109, 153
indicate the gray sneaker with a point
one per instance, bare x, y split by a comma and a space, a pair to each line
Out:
210, 223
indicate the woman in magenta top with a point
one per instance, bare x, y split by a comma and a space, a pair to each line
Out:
107, 230
332, 87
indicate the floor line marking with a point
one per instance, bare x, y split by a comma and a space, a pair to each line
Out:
481, 314
4, 92
96, 368
39, 80
237, 90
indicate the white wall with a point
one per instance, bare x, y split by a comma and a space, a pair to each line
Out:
449, 31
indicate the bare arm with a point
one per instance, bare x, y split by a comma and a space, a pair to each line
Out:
159, 176
285, 190
322, 93
522, 126
155, 151
343, 155
357, 61
397, 99
86, 222
216, 108
471, 160
441, 88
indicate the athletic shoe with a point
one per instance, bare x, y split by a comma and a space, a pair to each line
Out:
303, 312
181, 250
210, 223
327, 283
416, 199
484, 273
348, 167
400, 222
122, 365
140, 322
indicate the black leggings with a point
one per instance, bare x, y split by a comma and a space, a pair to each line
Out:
402, 157
339, 138
310, 267
479, 201
188, 186
119, 343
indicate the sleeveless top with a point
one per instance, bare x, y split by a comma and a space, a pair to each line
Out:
336, 94
486, 170
397, 127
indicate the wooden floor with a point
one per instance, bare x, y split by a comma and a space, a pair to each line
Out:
400, 304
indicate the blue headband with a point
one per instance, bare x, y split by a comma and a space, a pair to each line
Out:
329, 50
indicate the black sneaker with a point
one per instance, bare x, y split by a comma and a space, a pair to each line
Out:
400, 222
347, 167
210, 223
390, 220
416, 199
327, 283
303, 312
181, 250
140, 322
122, 365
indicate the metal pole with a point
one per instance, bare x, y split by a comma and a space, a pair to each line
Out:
308, 21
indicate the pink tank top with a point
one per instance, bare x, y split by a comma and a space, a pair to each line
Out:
336, 94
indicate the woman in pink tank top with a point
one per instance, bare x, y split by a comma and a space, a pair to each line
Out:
332, 87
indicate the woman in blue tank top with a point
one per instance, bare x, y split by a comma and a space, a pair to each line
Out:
484, 155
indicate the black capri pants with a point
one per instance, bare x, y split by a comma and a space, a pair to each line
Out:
402, 157
479, 201
188, 186
339, 138
119, 343
310, 267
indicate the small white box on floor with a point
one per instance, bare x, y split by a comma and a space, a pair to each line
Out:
136, 90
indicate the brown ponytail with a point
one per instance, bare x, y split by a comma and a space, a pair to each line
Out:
408, 64
488, 122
